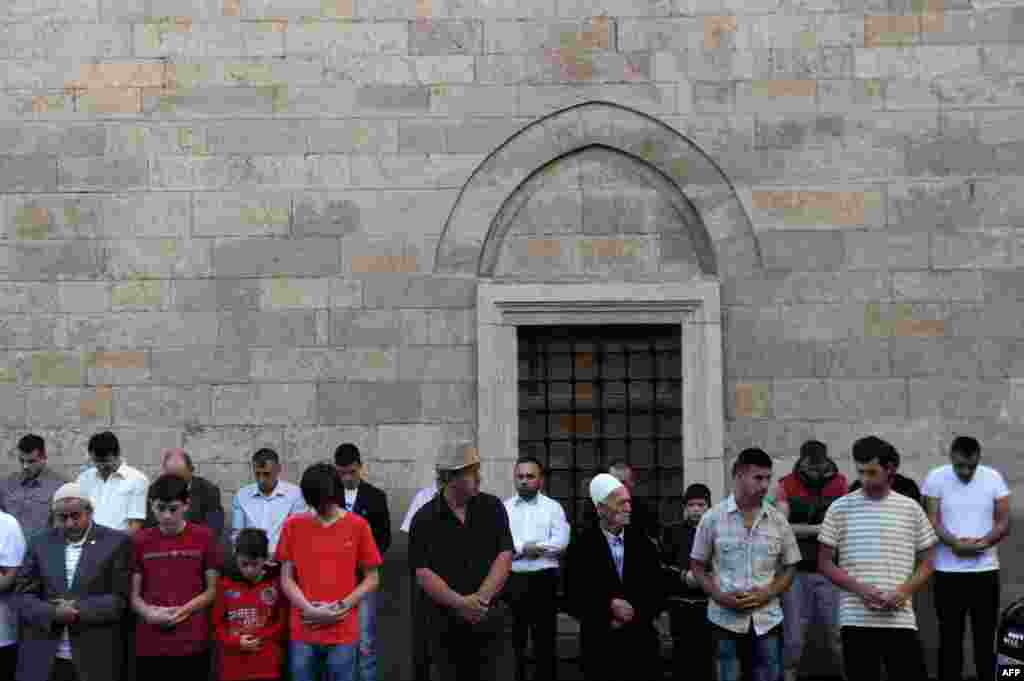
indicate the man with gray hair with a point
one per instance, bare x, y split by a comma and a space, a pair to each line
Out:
71, 594
615, 590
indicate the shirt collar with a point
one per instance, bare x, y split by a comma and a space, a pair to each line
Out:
731, 507
621, 538
534, 500
276, 492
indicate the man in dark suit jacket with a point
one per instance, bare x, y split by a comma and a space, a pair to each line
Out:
615, 590
81, 620
205, 506
371, 503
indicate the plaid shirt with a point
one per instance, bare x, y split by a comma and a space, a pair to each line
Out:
743, 558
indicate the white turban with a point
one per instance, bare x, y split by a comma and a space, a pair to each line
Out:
71, 490
602, 486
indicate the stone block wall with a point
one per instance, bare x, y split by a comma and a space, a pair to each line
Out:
222, 220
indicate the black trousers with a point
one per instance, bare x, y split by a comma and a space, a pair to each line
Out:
865, 649
692, 655
63, 670
185, 667
958, 594
534, 611
462, 653
8, 661
420, 609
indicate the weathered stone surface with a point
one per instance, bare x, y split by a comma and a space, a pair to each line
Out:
264, 404
793, 250
268, 328
191, 365
363, 403
142, 329
276, 257
184, 406
243, 213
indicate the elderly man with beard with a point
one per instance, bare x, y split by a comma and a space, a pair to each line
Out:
803, 496
687, 602
615, 590
71, 593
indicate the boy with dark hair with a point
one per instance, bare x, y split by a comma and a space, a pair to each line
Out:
175, 567
319, 554
249, 614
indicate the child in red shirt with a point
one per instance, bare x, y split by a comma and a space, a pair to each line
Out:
250, 613
320, 553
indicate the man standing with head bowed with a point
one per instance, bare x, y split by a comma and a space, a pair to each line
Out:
72, 593
615, 590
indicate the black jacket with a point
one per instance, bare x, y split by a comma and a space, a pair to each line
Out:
593, 582
204, 506
372, 505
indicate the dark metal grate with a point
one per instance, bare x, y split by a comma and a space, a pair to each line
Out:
591, 395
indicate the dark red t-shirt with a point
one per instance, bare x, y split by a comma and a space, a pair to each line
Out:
173, 570
325, 561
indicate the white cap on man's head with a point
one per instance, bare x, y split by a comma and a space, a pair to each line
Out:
602, 486
71, 490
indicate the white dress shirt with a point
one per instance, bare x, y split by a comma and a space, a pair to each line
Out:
539, 521
119, 498
617, 545
421, 499
12, 554
350, 498
252, 508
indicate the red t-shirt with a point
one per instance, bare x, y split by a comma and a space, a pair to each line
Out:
259, 610
173, 573
325, 561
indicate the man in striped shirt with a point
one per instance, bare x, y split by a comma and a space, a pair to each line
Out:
879, 534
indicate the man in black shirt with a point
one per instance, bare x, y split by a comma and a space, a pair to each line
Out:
687, 602
460, 548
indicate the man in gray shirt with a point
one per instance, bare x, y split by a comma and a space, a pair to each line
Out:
26, 495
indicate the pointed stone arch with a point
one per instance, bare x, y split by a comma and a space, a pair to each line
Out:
723, 233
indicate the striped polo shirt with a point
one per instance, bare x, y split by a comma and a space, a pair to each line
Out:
877, 541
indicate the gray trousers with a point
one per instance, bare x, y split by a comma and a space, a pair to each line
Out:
813, 599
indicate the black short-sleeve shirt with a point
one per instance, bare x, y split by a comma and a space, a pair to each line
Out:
460, 554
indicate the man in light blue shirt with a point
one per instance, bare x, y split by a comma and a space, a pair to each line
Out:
268, 502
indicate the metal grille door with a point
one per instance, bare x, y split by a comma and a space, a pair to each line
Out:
592, 395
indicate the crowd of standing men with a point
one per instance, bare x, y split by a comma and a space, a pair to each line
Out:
109, 577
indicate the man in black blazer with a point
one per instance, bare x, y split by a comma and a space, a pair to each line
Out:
78, 617
205, 506
615, 590
371, 503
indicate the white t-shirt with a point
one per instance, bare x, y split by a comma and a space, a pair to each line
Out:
421, 499
966, 512
12, 554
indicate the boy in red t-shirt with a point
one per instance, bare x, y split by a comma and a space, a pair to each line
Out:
319, 554
175, 566
249, 613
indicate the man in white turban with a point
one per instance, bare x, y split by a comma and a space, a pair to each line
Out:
614, 584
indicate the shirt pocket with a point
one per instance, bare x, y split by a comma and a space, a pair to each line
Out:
731, 558
766, 555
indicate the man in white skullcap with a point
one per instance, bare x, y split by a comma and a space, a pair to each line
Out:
72, 595
614, 585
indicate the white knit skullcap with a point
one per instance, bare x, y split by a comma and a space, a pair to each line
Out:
71, 490
602, 486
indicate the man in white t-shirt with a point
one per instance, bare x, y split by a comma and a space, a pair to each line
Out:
12, 553
969, 507
879, 535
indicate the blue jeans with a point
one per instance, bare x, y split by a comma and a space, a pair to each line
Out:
760, 656
368, 638
313, 662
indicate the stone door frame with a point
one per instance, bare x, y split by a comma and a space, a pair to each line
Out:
694, 305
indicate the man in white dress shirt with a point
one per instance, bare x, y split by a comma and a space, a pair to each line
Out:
117, 491
540, 533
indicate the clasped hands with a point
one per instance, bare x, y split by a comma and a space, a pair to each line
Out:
473, 608
968, 547
67, 611
876, 599
324, 614
751, 599
166, 616
622, 613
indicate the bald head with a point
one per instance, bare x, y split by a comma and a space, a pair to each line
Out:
177, 462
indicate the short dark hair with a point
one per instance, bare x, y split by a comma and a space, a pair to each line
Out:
321, 486
619, 465
697, 490
347, 454
966, 445
265, 455
530, 459
31, 443
252, 542
102, 445
870, 448
815, 450
169, 487
752, 456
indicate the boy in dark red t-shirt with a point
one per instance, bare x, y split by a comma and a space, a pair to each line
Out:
250, 613
175, 566
319, 553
